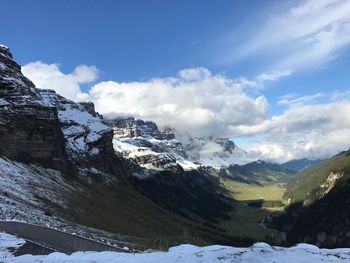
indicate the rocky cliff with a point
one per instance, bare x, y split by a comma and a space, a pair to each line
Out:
147, 146
154, 149
29, 129
40, 126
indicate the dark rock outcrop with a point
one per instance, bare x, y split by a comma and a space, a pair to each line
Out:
29, 130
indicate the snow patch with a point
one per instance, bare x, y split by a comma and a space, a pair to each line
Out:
259, 253
7, 244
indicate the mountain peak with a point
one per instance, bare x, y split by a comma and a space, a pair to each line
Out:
3, 46
4, 49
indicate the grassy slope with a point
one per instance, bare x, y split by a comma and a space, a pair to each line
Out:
123, 210
313, 216
305, 186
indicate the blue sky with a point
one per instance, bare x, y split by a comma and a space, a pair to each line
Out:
128, 40
301, 47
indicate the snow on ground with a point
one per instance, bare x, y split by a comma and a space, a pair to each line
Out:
259, 253
8, 243
81, 129
188, 165
4, 47
23, 188
133, 148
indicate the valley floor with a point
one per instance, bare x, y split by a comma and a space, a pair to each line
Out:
259, 253
253, 203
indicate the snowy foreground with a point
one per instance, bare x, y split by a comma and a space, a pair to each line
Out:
260, 252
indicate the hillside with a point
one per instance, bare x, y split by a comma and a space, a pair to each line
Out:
319, 204
315, 181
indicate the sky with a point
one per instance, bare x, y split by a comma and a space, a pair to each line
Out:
271, 75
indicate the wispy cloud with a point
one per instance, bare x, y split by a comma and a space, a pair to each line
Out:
341, 95
273, 75
293, 99
305, 36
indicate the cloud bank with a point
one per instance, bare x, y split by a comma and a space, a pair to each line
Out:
199, 103
306, 130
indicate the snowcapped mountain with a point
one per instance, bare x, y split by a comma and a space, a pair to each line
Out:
80, 136
158, 150
63, 166
153, 149
41, 126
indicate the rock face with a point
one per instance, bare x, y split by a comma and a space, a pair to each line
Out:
129, 127
154, 149
88, 142
145, 144
43, 127
29, 129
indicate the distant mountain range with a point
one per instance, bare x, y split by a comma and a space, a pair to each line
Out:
262, 172
298, 165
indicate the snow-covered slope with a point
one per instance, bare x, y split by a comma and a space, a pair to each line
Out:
157, 150
259, 253
150, 148
83, 128
24, 187
32, 194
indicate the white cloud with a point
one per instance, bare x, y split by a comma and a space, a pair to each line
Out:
307, 35
273, 75
194, 73
200, 103
49, 76
293, 99
309, 130
196, 102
